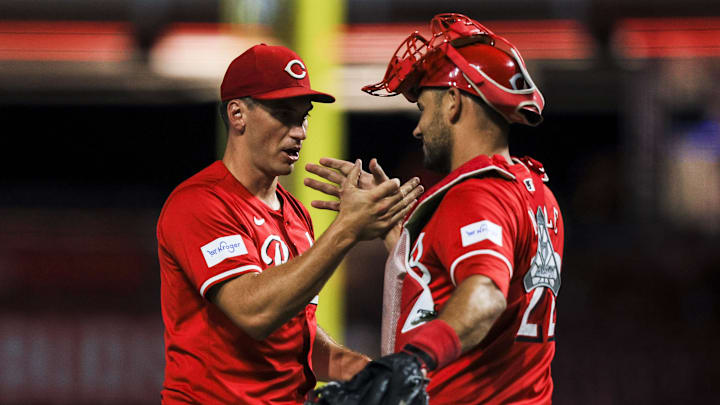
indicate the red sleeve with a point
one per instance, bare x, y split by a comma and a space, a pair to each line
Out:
206, 238
479, 231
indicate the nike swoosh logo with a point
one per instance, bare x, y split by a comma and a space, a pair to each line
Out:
258, 221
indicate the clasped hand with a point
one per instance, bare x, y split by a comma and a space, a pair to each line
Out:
370, 201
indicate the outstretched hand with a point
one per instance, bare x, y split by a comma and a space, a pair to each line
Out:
336, 171
370, 213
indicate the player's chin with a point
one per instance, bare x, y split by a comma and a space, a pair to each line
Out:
285, 169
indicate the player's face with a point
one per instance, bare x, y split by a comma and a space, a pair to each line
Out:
434, 133
277, 129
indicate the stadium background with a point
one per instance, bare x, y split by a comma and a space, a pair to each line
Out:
105, 108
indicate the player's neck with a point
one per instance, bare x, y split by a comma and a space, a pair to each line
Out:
266, 192
469, 144
258, 183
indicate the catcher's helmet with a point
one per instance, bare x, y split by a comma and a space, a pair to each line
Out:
463, 53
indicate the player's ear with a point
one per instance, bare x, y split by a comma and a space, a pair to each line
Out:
452, 103
236, 115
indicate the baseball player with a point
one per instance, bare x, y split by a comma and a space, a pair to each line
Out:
471, 286
240, 267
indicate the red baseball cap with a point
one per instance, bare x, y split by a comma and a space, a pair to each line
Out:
269, 72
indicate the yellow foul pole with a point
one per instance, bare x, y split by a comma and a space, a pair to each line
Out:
315, 39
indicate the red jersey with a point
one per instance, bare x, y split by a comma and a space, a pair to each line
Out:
212, 229
500, 221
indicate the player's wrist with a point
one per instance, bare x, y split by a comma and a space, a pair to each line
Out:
341, 236
435, 345
392, 236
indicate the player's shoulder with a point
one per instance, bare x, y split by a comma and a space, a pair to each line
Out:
532, 165
479, 196
206, 177
479, 174
197, 192
485, 185
481, 179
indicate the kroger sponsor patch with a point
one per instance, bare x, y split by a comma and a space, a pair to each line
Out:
223, 248
480, 231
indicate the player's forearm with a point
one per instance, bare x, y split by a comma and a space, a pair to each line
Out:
463, 322
332, 361
472, 310
261, 303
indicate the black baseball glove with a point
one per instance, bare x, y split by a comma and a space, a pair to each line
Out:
396, 379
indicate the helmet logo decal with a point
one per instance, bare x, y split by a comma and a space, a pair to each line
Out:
289, 70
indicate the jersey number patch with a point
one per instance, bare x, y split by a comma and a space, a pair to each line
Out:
531, 327
543, 280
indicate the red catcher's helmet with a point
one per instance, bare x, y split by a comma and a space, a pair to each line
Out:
464, 54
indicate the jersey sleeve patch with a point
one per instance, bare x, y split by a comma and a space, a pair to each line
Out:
223, 248
480, 231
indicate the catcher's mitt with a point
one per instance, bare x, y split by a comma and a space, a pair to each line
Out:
396, 379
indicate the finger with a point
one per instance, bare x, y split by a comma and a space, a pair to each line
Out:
400, 215
410, 186
342, 165
409, 199
377, 171
386, 189
415, 192
354, 175
325, 173
407, 191
326, 205
327, 188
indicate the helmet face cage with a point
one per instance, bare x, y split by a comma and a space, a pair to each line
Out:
416, 56
404, 63
456, 27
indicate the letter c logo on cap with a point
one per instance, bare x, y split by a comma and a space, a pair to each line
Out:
289, 70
